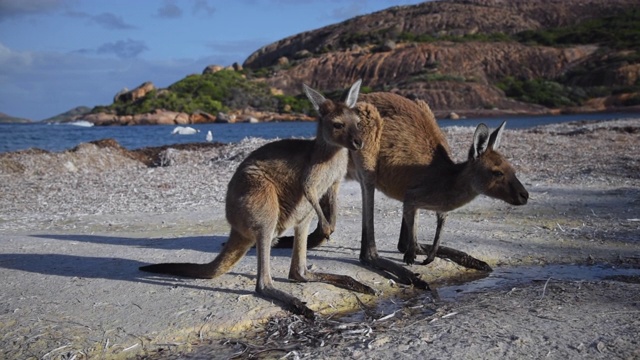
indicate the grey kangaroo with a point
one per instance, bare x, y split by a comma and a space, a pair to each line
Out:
278, 186
406, 156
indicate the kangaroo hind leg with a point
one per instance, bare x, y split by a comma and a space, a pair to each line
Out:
300, 272
265, 286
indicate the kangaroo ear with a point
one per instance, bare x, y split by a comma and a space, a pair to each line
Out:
352, 98
480, 141
315, 97
496, 135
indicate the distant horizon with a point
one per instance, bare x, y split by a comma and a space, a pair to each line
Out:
58, 55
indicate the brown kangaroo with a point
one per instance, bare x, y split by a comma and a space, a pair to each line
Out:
277, 187
407, 157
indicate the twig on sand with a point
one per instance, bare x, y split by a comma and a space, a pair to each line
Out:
544, 289
54, 350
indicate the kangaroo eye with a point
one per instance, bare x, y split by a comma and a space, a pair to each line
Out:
338, 126
498, 173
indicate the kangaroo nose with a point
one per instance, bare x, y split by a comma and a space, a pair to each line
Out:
524, 196
357, 143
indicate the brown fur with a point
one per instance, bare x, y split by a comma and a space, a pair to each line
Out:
406, 156
277, 187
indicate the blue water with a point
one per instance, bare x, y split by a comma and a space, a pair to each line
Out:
14, 137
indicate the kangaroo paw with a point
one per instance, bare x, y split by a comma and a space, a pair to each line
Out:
457, 256
291, 303
341, 281
403, 274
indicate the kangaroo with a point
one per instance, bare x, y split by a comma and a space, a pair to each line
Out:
408, 159
278, 186
406, 156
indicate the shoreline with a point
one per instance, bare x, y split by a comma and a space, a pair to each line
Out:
273, 133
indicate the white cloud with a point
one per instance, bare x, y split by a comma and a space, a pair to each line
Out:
124, 49
111, 21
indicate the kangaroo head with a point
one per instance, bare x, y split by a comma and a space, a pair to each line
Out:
338, 123
492, 174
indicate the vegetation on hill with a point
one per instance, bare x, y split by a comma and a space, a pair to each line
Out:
590, 79
211, 93
616, 32
619, 32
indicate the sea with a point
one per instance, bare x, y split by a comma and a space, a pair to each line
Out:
61, 137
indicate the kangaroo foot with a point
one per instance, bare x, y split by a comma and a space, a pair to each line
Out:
403, 274
410, 257
341, 281
457, 256
291, 303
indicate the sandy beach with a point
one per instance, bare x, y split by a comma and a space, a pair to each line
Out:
76, 225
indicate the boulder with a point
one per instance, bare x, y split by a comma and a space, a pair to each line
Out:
135, 94
120, 93
201, 117
211, 69
388, 45
283, 61
225, 118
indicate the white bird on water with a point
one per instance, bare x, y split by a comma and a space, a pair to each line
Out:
209, 137
184, 130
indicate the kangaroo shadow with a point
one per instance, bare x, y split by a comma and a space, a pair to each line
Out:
99, 268
114, 268
199, 243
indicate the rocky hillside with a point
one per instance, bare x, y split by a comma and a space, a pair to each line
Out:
471, 57
468, 55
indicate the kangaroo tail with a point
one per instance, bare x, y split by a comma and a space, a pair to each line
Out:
235, 248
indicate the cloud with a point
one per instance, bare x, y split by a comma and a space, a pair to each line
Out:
106, 20
169, 11
202, 7
124, 49
111, 22
18, 8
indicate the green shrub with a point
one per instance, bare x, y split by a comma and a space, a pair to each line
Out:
210, 93
543, 92
618, 32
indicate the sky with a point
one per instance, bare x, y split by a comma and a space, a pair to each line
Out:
59, 54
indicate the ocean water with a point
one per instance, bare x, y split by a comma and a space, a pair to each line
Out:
14, 137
